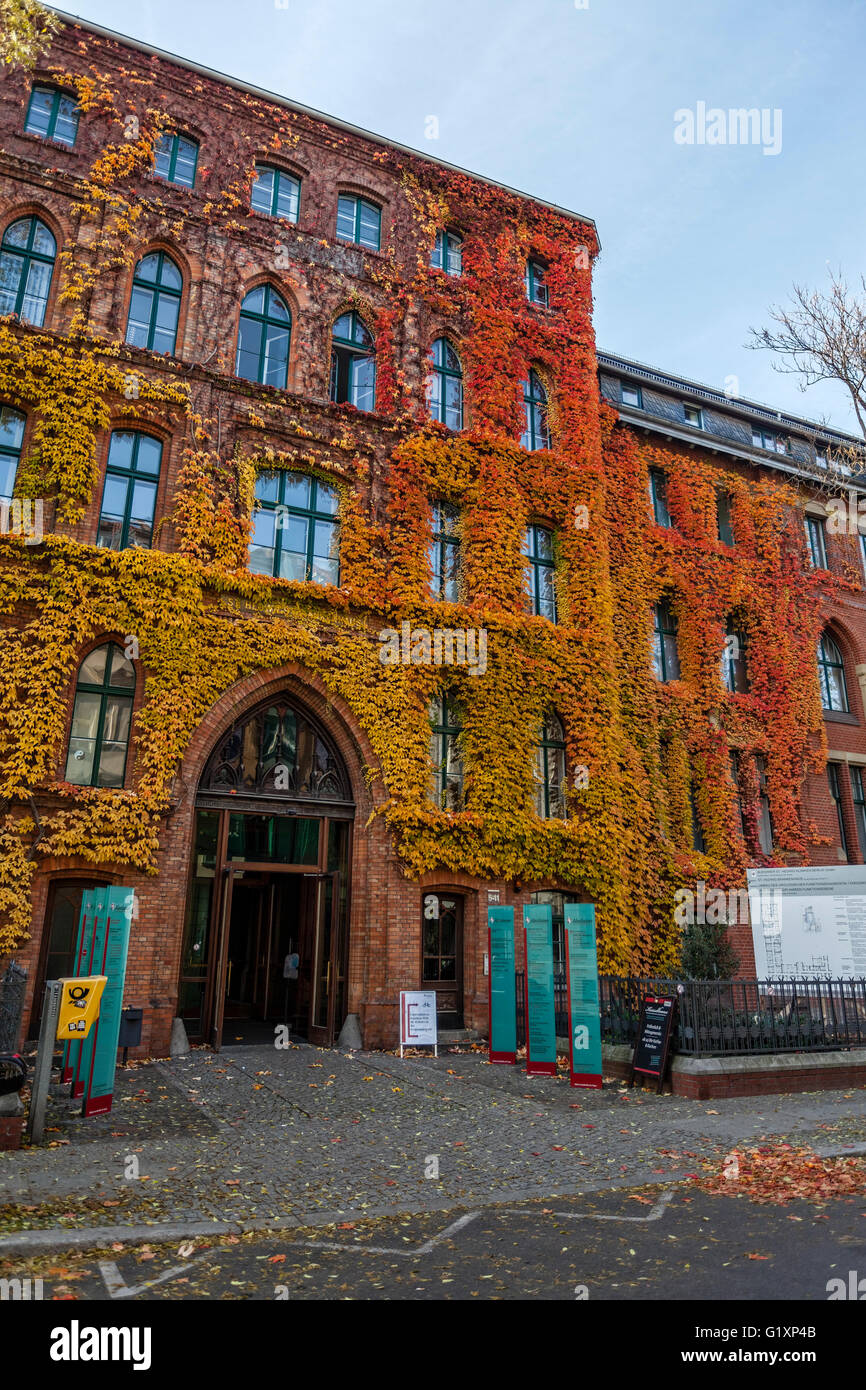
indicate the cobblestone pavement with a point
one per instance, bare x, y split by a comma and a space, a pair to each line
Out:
260, 1134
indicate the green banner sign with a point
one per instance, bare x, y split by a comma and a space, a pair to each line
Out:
540, 1007
583, 1003
88, 947
113, 927
503, 1005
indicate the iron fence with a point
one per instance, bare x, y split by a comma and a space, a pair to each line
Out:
12, 987
718, 1018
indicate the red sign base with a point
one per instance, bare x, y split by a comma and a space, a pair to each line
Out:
541, 1069
97, 1105
586, 1079
503, 1058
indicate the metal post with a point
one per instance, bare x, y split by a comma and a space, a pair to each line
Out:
44, 1057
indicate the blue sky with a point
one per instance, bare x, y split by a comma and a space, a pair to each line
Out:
577, 105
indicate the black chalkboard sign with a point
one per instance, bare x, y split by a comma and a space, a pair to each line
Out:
654, 1035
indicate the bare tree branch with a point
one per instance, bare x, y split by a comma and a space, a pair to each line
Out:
822, 337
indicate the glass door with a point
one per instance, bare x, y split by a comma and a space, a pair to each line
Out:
221, 972
325, 961
442, 961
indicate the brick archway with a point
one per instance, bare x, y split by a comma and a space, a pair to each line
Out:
320, 885
310, 692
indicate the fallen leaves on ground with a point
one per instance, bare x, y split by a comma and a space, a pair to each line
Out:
778, 1175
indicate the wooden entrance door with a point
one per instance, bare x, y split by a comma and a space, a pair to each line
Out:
57, 953
442, 955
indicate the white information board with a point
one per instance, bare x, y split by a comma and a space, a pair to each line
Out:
418, 1019
809, 922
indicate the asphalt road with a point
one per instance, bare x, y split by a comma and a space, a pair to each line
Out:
665, 1243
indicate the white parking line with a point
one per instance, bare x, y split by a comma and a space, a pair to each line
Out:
425, 1249
654, 1215
118, 1288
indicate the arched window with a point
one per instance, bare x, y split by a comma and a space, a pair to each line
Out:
735, 674
359, 220
536, 433
155, 304
11, 436
296, 534
445, 385
831, 675
53, 115
447, 253
550, 769
276, 752
540, 571
446, 755
275, 193
353, 363
175, 159
129, 495
101, 717
27, 255
264, 335
666, 659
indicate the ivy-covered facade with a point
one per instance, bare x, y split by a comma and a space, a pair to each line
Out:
334, 604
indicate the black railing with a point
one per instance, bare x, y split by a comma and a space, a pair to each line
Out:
13, 984
718, 1018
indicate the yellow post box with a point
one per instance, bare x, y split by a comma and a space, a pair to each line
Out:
79, 1005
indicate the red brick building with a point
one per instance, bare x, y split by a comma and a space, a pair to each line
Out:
310, 418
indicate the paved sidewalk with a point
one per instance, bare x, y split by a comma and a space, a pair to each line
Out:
257, 1134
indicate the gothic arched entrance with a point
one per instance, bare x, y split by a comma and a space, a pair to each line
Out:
266, 937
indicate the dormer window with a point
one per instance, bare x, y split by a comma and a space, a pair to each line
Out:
694, 416
768, 439
630, 395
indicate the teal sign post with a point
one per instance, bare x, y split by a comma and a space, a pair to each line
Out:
99, 1082
102, 945
503, 1004
86, 946
583, 1003
540, 1007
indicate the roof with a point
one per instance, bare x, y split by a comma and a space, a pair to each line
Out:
736, 405
264, 95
